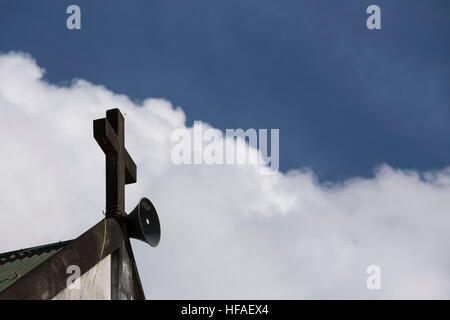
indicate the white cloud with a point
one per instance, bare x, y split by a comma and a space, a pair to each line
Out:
227, 231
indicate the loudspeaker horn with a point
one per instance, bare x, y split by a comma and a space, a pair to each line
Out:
143, 223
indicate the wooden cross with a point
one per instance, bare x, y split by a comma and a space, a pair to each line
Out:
120, 167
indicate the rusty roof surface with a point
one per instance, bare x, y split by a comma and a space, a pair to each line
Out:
15, 264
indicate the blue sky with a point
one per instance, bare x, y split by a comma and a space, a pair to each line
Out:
345, 98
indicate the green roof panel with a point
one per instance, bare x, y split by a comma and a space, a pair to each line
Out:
15, 264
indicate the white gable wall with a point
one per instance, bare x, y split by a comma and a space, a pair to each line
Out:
81, 289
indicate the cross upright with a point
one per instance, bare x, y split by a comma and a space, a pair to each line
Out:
120, 167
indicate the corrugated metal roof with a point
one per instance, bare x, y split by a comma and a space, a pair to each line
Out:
16, 264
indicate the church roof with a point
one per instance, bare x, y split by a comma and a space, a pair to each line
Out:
40, 273
16, 264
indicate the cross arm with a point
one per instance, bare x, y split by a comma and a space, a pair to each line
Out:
130, 168
106, 137
108, 140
